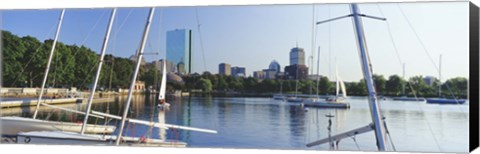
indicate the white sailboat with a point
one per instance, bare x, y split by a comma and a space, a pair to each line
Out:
378, 124
329, 102
59, 137
162, 104
13, 125
340, 87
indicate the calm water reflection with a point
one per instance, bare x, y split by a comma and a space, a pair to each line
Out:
265, 123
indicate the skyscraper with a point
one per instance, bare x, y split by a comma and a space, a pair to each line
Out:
224, 69
297, 56
179, 49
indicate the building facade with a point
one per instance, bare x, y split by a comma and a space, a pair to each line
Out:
294, 72
179, 49
274, 65
270, 73
259, 75
297, 56
224, 69
238, 71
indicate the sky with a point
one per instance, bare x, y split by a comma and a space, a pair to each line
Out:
253, 36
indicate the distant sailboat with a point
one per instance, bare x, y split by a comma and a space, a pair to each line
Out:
333, 102
442, 100
161, 96
280, 96
340, 86
404, 97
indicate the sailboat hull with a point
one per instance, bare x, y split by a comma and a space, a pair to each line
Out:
70, 138
321, 104
444, 101
13, 125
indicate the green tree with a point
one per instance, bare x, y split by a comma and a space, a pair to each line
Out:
394, 85
380, 84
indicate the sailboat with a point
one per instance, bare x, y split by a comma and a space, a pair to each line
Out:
340, 85
334, 102
13, 125
162, 104
378, 124
68, 138
442, 100
295, 99
280, 96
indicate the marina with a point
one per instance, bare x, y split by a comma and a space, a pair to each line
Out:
172, 101
254, 122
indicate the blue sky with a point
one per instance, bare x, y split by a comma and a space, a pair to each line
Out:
253, 36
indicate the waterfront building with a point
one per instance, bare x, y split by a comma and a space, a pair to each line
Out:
270, 73
297, 56
294, 72
224, 69
259, 75
274, 65
179, 49
238, 71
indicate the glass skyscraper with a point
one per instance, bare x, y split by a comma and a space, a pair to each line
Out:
179, 49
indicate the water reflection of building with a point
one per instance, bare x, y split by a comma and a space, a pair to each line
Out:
179, 49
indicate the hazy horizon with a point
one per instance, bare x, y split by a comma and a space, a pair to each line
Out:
253, 36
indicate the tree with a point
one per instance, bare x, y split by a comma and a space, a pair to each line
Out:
380, 84
204, 84
324, 85
394, 85
13, 52
458, 87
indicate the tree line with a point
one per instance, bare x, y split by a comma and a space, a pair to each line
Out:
393, 86
25, 58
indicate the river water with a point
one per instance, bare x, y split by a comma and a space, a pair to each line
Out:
263, 123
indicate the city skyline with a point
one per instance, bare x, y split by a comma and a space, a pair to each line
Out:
253, 36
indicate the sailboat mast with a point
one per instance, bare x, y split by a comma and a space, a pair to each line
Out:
403, 85
440, 76
48, 64
134, 76
318, 67
378, 122
99, 70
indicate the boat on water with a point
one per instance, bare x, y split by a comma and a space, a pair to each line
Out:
294, 99
404, 98
336, 101
445, 101
279, 97
62, 137
162, 104
378, 124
